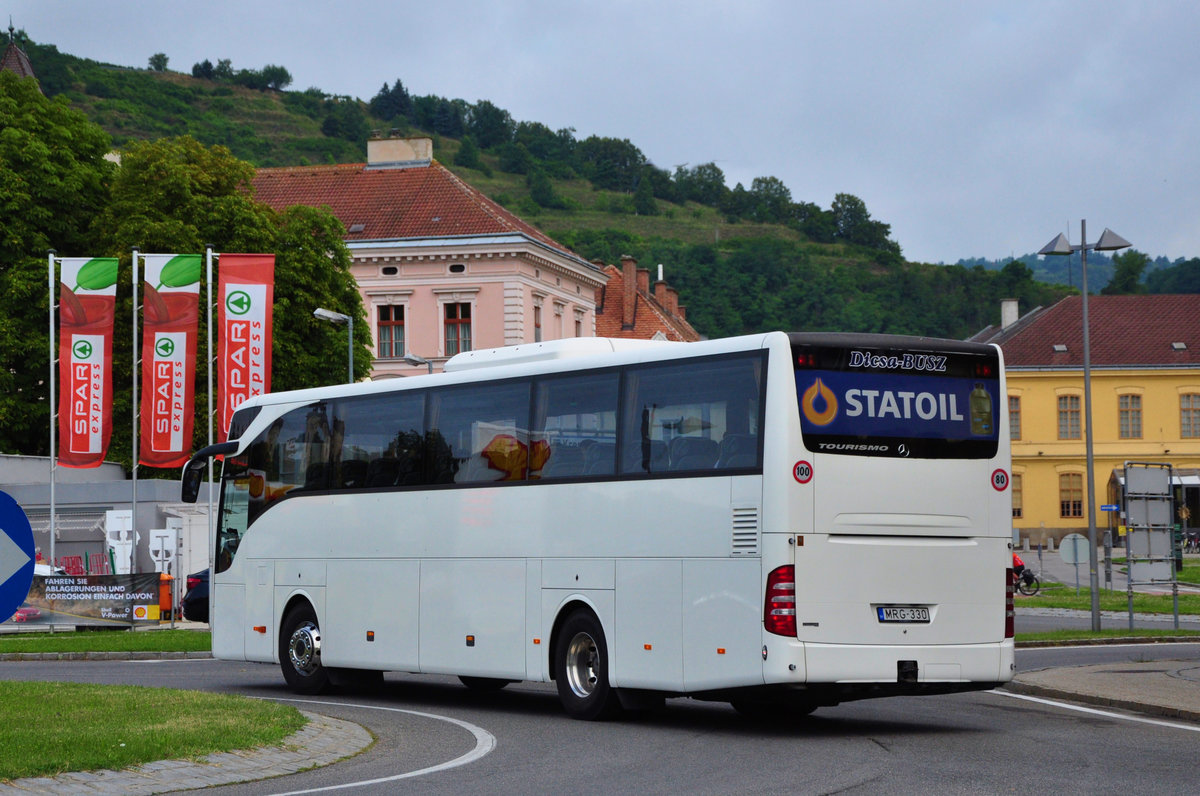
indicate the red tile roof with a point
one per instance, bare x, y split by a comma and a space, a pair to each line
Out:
1133, 331
390, 204
649, 317
15, 59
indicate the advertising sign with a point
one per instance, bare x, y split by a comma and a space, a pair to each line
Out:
87, 306
245, 296
171, 300
919, 403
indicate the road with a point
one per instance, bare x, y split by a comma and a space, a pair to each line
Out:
969, 743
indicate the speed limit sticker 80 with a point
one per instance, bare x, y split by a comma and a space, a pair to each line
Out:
999, 480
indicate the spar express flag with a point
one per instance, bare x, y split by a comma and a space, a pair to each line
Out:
171, 307
87, 297
245, 295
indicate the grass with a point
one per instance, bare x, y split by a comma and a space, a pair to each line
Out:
108, 641
50, 728
1189, 574
1058, 595
1053, 636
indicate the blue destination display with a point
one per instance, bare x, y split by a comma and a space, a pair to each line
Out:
922, 404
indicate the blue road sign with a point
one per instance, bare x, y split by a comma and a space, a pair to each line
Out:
1110, 507
17, 556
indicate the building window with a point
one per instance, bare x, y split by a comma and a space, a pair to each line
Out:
390, 331
1018, 497
1129, 410
1070, 495
1068, 417
537, 324
1014, 418
458, 328
1189, 415
578, 328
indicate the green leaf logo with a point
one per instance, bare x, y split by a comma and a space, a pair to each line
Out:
180, 271
97, 274
164, 347
238, 302
82, 350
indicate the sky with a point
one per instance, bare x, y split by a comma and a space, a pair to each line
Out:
975, 129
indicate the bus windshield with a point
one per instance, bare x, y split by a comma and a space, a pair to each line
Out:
900, 401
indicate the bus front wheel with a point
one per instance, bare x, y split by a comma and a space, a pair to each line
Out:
581, 669
300, 652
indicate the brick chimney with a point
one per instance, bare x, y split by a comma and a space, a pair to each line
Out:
629, 279
660, 293
643, 281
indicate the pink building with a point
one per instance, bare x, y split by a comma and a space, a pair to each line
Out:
441, 267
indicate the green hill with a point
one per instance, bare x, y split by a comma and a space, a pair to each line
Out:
743, 259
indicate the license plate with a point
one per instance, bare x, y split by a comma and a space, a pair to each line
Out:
902, 613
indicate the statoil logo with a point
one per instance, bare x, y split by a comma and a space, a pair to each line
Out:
819, 404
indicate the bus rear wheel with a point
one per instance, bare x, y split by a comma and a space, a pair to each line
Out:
581, 669
300, 652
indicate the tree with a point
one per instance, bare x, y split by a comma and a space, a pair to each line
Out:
643, 197
53, 181
390, 102
175, 195
158, 62
515, 158
611, 163
468, 154
276, 77
770, 200
1127, 275
345, 119
203, 70
491, 126
704, 184
541, 190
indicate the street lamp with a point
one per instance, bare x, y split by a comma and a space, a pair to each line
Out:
1109, 241
415, 360
339, 318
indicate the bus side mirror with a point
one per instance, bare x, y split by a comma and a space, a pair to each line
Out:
193, 471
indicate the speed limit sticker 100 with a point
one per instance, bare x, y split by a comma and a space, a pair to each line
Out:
802, 472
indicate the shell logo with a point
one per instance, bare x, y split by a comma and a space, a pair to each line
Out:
819, 404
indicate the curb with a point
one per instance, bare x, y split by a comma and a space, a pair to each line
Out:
1100, 642
1029, 689
102, 656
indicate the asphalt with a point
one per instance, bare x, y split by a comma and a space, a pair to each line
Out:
1164, 688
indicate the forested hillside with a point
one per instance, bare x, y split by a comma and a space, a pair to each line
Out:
743, 258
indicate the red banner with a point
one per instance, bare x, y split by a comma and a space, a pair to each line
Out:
171, 302
87, 298
245, 296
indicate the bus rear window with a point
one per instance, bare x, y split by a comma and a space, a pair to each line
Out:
901, 400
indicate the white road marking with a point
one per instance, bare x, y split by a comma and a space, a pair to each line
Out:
1106, 713
485, 742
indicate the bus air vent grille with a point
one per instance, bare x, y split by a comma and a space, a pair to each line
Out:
745, 531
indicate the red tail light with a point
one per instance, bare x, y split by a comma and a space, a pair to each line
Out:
779, 610
192, 582
1009, 631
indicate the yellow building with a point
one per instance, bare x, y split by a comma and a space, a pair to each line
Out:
1145, 367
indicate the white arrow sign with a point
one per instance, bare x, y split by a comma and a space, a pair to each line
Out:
12, 557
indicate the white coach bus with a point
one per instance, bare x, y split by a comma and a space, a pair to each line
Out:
780, 521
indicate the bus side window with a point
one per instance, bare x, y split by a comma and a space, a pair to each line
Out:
699, 417
484, 430
575, 421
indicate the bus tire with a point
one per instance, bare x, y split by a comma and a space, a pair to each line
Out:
300, 652
483, 683
581, 669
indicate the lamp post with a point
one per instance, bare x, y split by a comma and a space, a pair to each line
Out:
415, 360
339, 318
1109, 241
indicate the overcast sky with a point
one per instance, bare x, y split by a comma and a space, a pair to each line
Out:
973, 128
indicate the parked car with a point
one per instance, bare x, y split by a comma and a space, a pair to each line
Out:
195, 601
